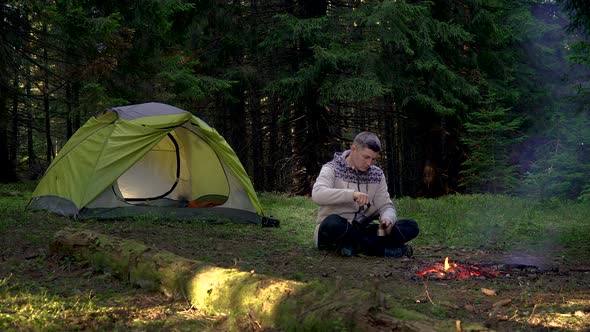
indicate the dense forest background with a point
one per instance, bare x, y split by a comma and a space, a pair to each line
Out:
467, 95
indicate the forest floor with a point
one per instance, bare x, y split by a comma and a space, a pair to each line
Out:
541, 292
539, 289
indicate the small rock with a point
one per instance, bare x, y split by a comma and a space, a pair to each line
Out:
488, 292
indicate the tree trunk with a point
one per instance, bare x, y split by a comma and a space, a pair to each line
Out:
33, 173
14, 122
238, 132
311, 139
7, 170
272, 303
69, 124
394, 147
257, 146
49, 151
299, 149
389, 144
76, 120
272, 156
399, 152
46, 111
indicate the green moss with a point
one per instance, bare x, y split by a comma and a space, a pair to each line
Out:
406, 314
145, 276
105, 262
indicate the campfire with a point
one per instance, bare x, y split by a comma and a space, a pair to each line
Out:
457, 271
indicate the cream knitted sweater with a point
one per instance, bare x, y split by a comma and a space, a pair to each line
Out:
334, 188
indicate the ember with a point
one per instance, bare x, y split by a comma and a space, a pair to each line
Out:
457, 271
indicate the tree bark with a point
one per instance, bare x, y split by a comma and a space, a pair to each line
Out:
257, 138
77, 121
69, 124
33, 173
311, 134
272, 303
14, 137
7, 170
14, 121
399, 152
271, 155
237, 136
49, 151
389, 143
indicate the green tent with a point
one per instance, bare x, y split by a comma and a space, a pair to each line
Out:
152, 159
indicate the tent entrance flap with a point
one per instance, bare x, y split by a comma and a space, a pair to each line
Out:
155, 176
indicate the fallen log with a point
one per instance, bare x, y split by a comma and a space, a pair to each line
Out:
242, 296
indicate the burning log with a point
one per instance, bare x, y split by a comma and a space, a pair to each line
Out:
458, 271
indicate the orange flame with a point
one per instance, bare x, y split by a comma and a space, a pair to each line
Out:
457, 271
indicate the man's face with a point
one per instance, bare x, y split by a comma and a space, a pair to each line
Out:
362, 158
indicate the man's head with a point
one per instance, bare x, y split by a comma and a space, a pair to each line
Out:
364, 150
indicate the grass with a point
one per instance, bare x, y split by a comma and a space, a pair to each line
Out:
34, 306
500, 222
39, 292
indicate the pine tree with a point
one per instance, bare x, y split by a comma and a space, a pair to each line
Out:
424, 87
579, 13
490, 136
562, 170
550, 158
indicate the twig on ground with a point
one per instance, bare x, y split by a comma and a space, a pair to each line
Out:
532, 313
427, 293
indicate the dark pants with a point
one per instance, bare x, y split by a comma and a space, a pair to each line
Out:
336, 232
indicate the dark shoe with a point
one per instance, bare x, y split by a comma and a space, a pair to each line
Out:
408, 251
399, 252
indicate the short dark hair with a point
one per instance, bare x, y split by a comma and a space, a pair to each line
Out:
367, 139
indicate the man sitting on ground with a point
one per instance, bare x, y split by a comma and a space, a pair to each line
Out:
352, 193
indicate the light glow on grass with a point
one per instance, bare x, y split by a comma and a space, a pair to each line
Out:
28, 306
571, 315
22, 307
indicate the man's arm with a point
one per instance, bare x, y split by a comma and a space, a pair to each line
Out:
324, 191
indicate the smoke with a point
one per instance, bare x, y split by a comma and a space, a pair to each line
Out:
553, 159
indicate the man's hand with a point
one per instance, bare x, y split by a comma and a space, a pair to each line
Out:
387, 225
360, 198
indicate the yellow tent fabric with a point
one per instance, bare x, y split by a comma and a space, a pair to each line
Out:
101, 152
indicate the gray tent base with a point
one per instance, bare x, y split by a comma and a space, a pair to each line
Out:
169, 210
216, 214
